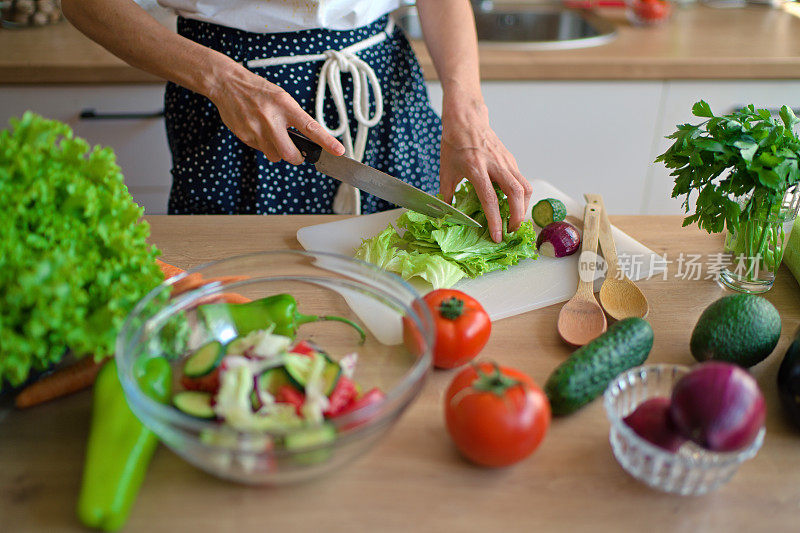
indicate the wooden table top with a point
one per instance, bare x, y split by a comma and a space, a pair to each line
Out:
414, 478
699, 42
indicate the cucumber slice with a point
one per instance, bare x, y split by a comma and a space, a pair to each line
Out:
306, 438
269, 381
204, 360
299, 367
548, 211
330, 375
194, 403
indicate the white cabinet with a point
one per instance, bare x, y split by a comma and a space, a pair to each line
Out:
580, 136
140, 144
724, 97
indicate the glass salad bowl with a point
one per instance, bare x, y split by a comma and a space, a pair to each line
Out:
691, 470
247, 431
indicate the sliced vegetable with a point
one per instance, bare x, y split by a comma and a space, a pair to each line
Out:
308, 438
343, 394
559, 239
288, 394
195, 403
718, 406
588, 371
203, 361
462, 327
120, 447
207, 383
547, 211
299, 368
495, 415
651, 421
374, 396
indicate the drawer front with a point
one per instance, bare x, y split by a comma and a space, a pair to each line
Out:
135, 131
580, 136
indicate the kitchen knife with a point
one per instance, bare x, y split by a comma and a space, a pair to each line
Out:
378, 183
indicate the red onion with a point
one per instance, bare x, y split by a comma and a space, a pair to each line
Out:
558, 239
651, 421
718, 406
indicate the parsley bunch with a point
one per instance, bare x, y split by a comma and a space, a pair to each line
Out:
740, 165
73, 254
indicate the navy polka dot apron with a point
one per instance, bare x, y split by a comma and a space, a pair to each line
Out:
215, 173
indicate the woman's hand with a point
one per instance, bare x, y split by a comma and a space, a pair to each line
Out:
259, 113
470, 149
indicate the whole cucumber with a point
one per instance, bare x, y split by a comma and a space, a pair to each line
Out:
587, 372
789, 381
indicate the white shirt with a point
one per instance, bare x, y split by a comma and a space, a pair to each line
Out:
273, 16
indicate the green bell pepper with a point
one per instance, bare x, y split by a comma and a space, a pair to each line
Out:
120, 447
278, 311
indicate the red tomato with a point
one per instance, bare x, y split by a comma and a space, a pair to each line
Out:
462, 327
651, 10
207, 383
496, 415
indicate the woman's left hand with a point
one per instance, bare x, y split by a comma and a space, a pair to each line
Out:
471, 149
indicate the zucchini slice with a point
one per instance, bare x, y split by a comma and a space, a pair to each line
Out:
194, 403
306, 438
269, 381
204, 360
548, 211
298, 368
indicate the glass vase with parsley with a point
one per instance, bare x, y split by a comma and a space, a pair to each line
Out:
740, 172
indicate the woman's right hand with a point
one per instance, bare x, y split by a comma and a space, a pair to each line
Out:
259, 113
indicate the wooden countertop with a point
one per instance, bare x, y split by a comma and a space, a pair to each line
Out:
697, 43
414, 475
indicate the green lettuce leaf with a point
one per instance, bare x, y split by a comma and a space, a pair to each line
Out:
74, 257
441, 252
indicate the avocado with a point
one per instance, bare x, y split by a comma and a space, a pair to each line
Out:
741, 328
587, 372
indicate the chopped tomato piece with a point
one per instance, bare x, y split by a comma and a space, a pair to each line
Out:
288, 394
343, 394
303, 348
207, 383
372, 397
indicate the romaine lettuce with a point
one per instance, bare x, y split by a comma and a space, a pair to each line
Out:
441, 252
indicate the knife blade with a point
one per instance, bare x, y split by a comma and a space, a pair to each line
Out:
378, 183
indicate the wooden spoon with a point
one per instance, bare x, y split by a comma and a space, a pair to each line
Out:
582, 319
619, 295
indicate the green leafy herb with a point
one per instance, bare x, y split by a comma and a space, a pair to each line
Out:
735, 166
441, 252
73, 257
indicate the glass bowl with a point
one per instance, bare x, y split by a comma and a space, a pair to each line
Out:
323, 284
692, 470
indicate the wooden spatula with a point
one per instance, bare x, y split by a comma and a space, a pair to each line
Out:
619, 296
582, 319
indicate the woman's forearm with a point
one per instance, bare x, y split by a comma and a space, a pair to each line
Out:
449, 30
130, 33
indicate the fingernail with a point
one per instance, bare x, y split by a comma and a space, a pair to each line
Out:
496, 236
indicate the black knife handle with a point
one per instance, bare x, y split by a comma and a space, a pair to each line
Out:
310, 150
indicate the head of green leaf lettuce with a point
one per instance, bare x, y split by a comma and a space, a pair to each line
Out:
441, 252
74, 257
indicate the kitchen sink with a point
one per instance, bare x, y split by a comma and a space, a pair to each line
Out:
531, 26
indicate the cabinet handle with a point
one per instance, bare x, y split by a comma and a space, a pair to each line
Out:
91, 114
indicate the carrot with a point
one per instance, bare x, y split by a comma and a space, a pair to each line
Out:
196, 280
169, 270
225, 297
72, 378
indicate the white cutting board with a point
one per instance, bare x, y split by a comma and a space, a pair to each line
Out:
531, 284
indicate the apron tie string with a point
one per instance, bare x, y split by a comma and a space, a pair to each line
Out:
347, 199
